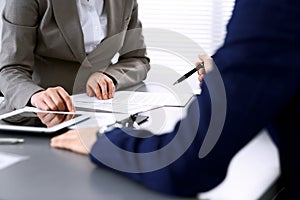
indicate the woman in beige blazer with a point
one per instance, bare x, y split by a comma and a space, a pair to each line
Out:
43, 57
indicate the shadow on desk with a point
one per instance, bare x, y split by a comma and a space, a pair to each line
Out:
123, 188
101, 183
58, 174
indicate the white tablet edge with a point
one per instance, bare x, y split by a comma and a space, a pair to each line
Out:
40, 129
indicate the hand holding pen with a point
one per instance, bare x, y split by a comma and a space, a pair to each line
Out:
188, 74
199, 68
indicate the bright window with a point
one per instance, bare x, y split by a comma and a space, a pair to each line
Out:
202, 21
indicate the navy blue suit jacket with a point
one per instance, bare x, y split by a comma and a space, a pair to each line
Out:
260, 69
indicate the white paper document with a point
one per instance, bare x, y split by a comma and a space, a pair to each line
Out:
7, 159
98, 119
132, 102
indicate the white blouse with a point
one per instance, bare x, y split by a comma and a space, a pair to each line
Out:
93, 20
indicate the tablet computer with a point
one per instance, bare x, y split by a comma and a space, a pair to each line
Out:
34, 120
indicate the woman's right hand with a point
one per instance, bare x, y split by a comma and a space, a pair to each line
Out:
52, 119
54, 99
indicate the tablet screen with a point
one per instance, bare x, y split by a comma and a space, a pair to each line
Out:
41, 119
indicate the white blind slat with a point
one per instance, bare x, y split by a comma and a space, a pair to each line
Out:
203, 21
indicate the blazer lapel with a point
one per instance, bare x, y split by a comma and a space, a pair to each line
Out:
115, 11
105, 50
67, 19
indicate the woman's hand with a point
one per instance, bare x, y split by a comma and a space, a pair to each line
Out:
101, 86
52, 119
54, 99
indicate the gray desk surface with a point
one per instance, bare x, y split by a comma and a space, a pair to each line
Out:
58, 174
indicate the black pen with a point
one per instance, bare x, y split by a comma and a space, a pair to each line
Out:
201, 65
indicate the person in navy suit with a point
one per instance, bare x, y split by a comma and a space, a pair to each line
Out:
260, 72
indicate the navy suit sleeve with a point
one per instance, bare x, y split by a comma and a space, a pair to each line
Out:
258, 50
186, 176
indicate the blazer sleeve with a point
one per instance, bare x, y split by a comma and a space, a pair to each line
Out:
20, 21
133, 64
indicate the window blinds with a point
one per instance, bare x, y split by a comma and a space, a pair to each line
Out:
202, 21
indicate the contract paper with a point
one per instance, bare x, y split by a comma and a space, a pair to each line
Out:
132, 102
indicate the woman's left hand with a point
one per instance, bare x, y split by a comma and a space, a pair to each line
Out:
101, 86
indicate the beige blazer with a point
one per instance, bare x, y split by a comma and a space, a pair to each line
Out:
42, 46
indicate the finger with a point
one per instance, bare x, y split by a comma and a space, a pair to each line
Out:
58, 101
68, 117
60, 97
69, 141
55, 119
111, 88
201, 71
208, 62
66, 99
52, 119
56, 142
50, 103
204, 57
41, 104
41, 114
62, 141
103, 87
43, 117
96, 89
37, 101
89, 91
197, 63
43, 101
